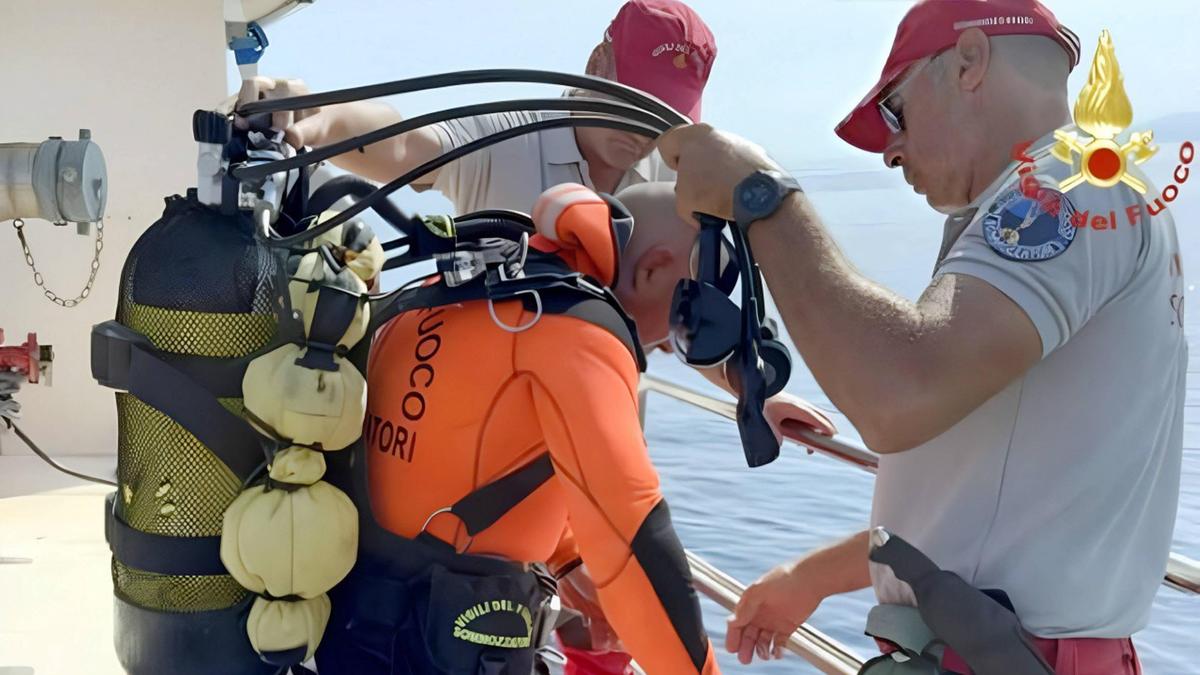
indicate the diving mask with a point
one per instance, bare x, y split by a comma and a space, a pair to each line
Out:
709, 329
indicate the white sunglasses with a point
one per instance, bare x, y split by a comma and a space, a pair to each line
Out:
892, 111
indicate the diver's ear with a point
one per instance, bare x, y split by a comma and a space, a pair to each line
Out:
653, 267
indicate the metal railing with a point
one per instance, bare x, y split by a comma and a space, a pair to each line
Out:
1183, 573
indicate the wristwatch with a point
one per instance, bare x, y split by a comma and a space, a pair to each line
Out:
759, 195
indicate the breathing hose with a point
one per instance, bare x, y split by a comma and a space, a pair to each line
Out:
569, 104
442, 80
447, 157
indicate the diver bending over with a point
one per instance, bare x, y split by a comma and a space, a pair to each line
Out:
461, 396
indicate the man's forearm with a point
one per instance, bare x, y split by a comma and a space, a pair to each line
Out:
903, 372
839, 568
378, 161
717, 376
861, 342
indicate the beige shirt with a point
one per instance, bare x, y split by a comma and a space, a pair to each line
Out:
1060, 490
513, 173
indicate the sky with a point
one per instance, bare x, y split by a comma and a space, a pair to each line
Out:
786, 71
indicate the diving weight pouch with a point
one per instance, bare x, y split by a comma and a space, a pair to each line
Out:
477, 624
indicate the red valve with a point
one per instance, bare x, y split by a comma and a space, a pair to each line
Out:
30, 359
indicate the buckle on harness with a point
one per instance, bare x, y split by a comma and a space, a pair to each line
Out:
112, 350
450, 510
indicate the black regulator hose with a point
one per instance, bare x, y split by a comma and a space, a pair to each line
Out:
488, 223
49, 460
569, 104
524, 219
441, 80
337, 188
499, 226
474, 228
381, 193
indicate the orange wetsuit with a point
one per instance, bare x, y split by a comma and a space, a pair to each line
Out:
456, 402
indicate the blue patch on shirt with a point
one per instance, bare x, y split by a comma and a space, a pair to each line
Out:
1029, 229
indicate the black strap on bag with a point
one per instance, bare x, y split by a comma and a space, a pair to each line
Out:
987, 635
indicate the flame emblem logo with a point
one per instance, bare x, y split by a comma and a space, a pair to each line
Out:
1103, 110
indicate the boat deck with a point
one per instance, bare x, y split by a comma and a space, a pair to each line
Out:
56, 613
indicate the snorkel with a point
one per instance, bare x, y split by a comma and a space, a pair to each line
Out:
708, 328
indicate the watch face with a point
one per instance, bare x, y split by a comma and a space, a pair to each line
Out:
757, 195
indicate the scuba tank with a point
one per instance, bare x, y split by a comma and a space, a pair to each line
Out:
196, 294
230, 358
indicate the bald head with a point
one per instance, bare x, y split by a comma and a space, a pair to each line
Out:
1034, 60
656, 222
656, 257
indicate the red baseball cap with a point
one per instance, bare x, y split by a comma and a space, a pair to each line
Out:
933, 25
663, 48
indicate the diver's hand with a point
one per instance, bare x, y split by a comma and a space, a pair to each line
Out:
709, 164
783, 407
301, 127
770, 610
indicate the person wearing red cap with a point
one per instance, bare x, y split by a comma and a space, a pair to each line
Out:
659, 46
1028, 408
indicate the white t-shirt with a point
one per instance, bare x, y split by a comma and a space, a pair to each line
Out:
1062, 489
512, 174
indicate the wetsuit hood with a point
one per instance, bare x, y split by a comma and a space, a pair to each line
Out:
587, 230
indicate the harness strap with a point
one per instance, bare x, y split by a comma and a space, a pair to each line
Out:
332, 315
602, 313
160, 554
435, 295
591, 302
123, 358
221, 377
481, 509
561, 292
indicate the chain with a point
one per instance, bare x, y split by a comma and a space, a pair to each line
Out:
38, 279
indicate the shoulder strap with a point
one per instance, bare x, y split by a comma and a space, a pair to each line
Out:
586, 300
561, 290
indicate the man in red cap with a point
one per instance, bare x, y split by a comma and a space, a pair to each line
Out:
1028, 408
659, 46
